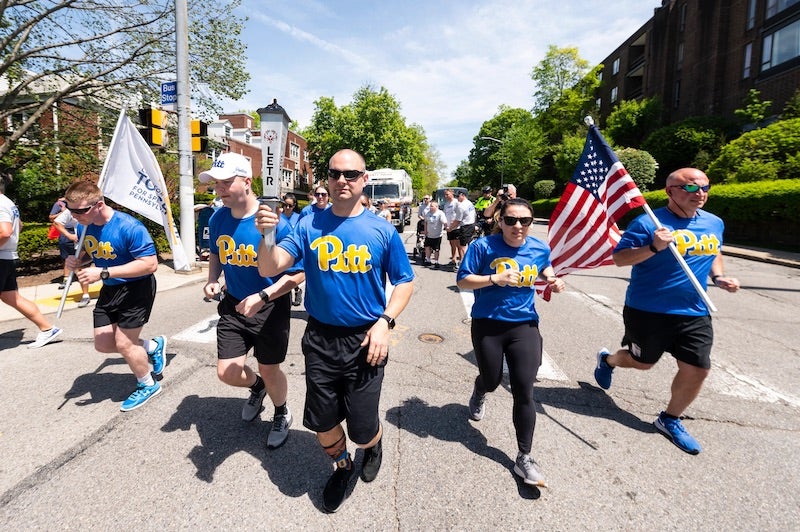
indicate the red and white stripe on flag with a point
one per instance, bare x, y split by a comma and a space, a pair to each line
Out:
583, 229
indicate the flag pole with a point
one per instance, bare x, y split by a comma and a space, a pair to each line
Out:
79, 245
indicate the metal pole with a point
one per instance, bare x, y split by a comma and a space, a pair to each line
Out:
186, 188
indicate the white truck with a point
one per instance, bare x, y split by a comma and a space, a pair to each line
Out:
394, 187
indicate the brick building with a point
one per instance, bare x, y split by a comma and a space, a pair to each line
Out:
702, 57
237, 133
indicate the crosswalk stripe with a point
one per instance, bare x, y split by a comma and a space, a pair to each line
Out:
202, 332
548, 370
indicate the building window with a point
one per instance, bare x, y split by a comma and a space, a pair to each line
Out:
227, 131
287, 176
781, 46
680, 55
600, 76
683, 18
614, 93
248, 138
751, 14
294, 150
615, 67
676, 95
748, 54
776, 6
598, 103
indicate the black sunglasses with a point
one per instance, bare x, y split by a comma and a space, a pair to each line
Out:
84, 210
288, 205
512, 220
691, 187
320, 194
350, 175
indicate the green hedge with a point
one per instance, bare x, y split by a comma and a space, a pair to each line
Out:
763, 214
33, 240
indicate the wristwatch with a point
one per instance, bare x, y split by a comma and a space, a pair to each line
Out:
389, 320
104, 274
264, 296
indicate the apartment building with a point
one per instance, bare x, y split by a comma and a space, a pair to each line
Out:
702, 57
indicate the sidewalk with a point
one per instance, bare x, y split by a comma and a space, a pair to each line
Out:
48, 296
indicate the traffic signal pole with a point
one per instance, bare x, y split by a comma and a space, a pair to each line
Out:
186, 189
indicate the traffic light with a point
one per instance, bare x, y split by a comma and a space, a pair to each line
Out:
155, 126
199, 136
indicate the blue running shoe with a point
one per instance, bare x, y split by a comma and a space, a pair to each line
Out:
140, 396
602, 373
674, 431
158, 358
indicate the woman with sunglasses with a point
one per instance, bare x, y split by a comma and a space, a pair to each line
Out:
321, 202
501, 270
289, 209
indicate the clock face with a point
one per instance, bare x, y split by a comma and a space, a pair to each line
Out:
271, 135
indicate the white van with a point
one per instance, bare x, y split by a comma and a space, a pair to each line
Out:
394, 187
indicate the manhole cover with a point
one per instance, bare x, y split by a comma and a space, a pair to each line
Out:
430, 338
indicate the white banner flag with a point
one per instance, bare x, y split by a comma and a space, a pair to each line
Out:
133, 179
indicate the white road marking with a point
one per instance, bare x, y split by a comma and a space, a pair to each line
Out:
202, 332
548, 370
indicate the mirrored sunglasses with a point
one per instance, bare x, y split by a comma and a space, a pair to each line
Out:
691, 187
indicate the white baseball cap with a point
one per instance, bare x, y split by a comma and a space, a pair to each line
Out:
227, 166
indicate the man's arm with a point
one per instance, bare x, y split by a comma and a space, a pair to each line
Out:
138, 267
631, 256
5, 232
378, 335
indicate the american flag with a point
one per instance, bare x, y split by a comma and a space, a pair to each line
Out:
583, 229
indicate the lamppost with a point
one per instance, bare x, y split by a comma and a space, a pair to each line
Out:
503, 164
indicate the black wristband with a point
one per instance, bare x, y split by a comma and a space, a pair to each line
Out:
491, 280
653, 248
264, 296
714, 278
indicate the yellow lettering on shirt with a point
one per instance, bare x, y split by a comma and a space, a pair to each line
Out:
527, 273
689, 244
242, 255
98, 250
332, 255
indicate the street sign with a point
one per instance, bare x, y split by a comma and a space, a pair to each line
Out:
169, 95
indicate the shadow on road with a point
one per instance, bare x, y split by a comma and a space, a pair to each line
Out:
11, 339
297, 468
451, 423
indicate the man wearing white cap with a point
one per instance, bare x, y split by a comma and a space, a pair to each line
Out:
255, 311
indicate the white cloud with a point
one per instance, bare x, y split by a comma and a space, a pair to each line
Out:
450, 64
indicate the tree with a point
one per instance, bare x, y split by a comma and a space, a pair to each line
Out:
754, 110
560, 71
106, 54
631, 121
489, 159
792, 107
373, 125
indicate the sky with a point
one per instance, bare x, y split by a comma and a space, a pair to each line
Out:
449, 63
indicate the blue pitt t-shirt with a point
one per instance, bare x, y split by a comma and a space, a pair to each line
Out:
235, 241
491, 255
311, 208
347, 261
119, 241
659, 284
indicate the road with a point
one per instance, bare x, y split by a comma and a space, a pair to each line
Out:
72, 461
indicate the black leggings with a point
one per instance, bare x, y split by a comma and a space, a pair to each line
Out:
521, 344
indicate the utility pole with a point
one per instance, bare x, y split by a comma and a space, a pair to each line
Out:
186, 187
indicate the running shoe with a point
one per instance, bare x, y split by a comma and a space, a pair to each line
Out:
140, 396
45, 337
298, 297
373, 457
673, 429
335, 490
602, 373
254, 405
477, 406
84, 302
158, 358
280, 430
526, 468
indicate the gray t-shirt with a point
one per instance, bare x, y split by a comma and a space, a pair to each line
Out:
435, 224
9, 213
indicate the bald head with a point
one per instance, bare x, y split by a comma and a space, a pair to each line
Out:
687, 175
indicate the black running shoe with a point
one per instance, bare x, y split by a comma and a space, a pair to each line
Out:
335, 490
373, 457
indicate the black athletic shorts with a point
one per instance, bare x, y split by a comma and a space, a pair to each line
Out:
455, 234
127, 305
433, 243
648, 335
340, 384
267, 331
465, 237
66, 247
8, 275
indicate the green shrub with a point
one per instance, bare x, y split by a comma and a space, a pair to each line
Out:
678, 145
751, 170
33, 241
640, 165
777, 143
544, 188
